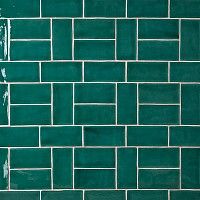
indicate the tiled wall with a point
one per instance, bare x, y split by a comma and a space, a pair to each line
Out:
100, 100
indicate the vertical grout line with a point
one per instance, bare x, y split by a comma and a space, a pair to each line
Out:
137, 104
8, 106
168, 8
83, 8
73, 106
40, 8
168, 192
180, 154
40, 195
115, 167
126, 196
126, 71
179, 29
39, 136
72, 38
126, 8
137, 168
115, 39
8, 168
8, 39
73, 168
169, 71
40, 72
51, 168
168, 135
83, 194
136, 39
52, 104
116, 104
83, 144
180, 111
83, 71
126, 139
51, 38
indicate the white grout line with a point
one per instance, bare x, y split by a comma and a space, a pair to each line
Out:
179, 29
159, 104
40, 8
30, 169
30, 104
115, 39
72, 38
83, 194
168, 8
29, 40
83, 8
116, 184
168, 136
73, 168
51, 168
162, 40
73, 104
180, 102
137, 168
169, 71
137, 104
51, 37
40, 72
40, 195
180, 166
116, 106
8, 106
99, 104
126, 9
82, 129
39, 136
94, 39
136, 39
95, 168
8, 39
126, 137
168, 194
159, 168
52, 117
83, 71
126, 71
9, 168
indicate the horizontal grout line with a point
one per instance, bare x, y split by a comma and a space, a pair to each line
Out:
159, 104
30, 104
95, 39
29, 40
94, 168
158, 168
113, 104
158, 40
27, 169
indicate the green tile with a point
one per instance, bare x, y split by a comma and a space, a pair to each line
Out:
184, 136
3, 40
61, 136
94, 29
126, 168
94, 114
3, 104
94, 158
30, 158
158, 157
158, 29
159, 93
32, 50
61, 8
126, 39
62, 195
13, 195
105, 8
147, 136
156, 114
30, 29
184, 195
30, 115
94, 93
158, 178
61, 71
104, 71
104, 135
30, 93
158, 50
150, 8
147, 71
94, 50
30, 179
94, 179
4, 179
105, 194
62, 168
19, 137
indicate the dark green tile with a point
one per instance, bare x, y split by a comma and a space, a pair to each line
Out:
4, 179
62, 195
184, 195
3, 39
105, 194
20, 195
3, 104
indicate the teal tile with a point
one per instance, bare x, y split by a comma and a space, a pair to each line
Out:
105, 8
94, 50
32, 50
13, 195
30, 115
61, 136
147, 71
158, 50
94, 29
94, 93
3, 104
158, 178
104, 71
156, 114
94, 114
3, 40
105, 194
30, 179
158, 29
94, 179
4, 179
147, 136
184, 195
19, 137
30, 93
62, 195
104, 136
30, 29
61, 8
150, 8
159, 93
94, 158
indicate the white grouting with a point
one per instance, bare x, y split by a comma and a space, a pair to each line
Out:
39, 136
169, 8
159, 168
30, 169
73, 106
168, 72
94, 168
40, 72
180, 160
52, 115
8, 168
116, 167
51, 37
126, 137
115, 39
83, 71
137, 40
98, 104
137, 168
51, 168
83, 8
73, 39
179, 31
137, 104
82, 131
30, 40
116, 104
158, 104
9, 35
73, 168
180, 109
162, 40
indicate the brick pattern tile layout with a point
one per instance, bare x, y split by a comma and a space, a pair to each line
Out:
99, 99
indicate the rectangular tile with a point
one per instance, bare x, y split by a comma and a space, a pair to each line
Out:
13, 195
3, 39
184, 195
4, 179
99, 195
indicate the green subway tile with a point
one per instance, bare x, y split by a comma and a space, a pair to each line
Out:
32, 50
94, 114
13, 195
185, 72
159, 93
19, 137
62, 168
147, 195
94, 158
94, 93
19, 72
30, 93
147, 71
150, 8
62, 39
126, 168
94, 178
104, 71
30, 179
94, 29
147, 136
4, 169
126, 103
158, 29
184, 136
3, 104
94, 50
3, 39
61, 71
30, 115
30, 158
62, 195
105, 194
62, 8
61, 136
158, 50
126, 39
105, 8
30, 29
62, 104
184, 195
158, 157
104, 135
156, 114
190, 104
158, 178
